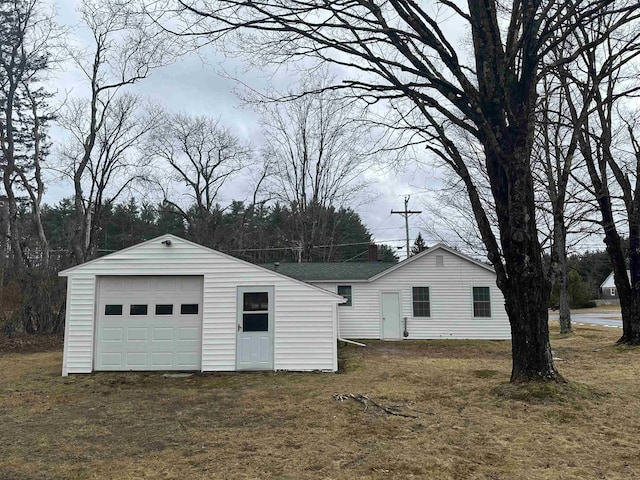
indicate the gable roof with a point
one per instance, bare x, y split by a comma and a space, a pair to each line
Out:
173, 238
330, 271
357, 271
168, 236
609, 282
436, 247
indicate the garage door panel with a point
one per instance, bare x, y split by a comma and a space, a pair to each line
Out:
187, 359
166, 284
187, 285
112, 359
136, 359
115, 286
169, 341
161, 334
137, 334
139, 284
112, 334
162, 359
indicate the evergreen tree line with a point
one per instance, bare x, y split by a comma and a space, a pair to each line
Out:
256, 233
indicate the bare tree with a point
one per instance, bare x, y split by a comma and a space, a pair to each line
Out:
202, 155
117, 163
599, 89
450, 218
27, 33
318, 148
125, 50
554, 150
404, 55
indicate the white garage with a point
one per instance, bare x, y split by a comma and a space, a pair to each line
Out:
170, 304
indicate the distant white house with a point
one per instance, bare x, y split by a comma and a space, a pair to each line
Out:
608, 287
170, 304
438, 293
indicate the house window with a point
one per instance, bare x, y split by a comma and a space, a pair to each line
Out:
421, 302
255, 312
345, 291
481, 302
613, 292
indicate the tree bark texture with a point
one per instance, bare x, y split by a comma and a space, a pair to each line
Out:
508, 102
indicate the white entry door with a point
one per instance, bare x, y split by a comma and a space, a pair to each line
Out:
254, 346
149, 323
391, 316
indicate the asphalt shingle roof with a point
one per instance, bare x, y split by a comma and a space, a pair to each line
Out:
330, 271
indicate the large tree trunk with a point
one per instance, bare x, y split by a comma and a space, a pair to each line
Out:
530, 349
523, 280
526, 290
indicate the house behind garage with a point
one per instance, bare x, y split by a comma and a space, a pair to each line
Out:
438, 293
170, 304
608, 287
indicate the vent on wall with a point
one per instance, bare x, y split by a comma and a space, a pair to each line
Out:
439, 260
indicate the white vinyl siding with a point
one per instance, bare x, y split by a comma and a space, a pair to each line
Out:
305, 318
79, 326
451, 302
362, 319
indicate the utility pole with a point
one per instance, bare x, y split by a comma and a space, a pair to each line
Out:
405, 213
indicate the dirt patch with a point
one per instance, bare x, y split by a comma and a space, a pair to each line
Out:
461, 349
25, 343
471, 424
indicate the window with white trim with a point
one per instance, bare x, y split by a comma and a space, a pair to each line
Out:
613, 291
346, 292
481, 302
137, 309
421, 302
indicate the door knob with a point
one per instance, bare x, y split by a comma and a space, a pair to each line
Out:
239, 327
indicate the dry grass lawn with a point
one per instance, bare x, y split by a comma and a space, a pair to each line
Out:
470, 424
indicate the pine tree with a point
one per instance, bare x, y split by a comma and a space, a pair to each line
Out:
418, 245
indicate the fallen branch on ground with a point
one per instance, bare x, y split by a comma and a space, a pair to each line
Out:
366, 401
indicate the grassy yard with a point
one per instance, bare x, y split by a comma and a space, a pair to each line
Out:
470, 424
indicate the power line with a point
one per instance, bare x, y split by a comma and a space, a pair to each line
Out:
312, 246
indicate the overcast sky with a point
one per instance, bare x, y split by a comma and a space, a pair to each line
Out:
196, 84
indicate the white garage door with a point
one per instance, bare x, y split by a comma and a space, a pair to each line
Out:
149, 323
